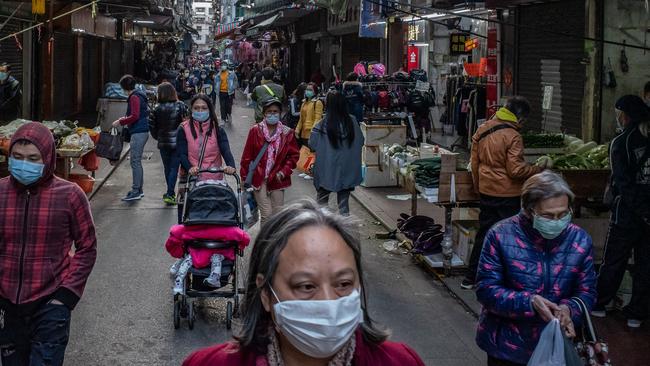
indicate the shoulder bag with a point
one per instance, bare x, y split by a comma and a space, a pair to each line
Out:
592, 350
251, 212
109, 145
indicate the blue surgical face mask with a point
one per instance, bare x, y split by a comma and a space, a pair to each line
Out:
272, 119
203, 76
3, 76
549, 228
309, 94
201, 116
25, 171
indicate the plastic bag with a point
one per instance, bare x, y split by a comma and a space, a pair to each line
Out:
550, 348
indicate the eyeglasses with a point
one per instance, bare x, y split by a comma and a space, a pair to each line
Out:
559, 216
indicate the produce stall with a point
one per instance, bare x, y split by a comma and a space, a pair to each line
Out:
74, 144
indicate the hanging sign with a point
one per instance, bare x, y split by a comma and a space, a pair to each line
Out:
412, 57
548, 97
457, 43
491, 71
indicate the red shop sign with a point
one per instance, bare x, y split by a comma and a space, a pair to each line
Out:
412, 57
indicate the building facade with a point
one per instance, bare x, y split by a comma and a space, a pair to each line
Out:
203, 22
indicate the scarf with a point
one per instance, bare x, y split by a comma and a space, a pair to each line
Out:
504, 114
274, 145
341, 358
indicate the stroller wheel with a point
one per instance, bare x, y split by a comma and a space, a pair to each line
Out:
177, 314
229, 315
184, 307
191, 315
235, 312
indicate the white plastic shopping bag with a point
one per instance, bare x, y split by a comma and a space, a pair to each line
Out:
550, 348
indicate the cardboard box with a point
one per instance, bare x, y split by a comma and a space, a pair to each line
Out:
383, 134
370, 155
377, 176
464, 187
464, 233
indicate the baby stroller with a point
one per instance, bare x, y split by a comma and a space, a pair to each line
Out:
210, 204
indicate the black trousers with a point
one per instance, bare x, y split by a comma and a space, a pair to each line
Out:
621, 239
225, 105
342, 198
493, 210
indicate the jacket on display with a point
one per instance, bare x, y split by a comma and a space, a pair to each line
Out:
311, 113
353, 93
40, 224
179, 235
285, 159
164, 123
518, 263
497, 160
10, 99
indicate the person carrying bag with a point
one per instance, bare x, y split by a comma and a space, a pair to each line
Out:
110, 145
251, 212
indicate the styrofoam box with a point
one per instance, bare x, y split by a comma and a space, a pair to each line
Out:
373, 176
383, 134
370, 155
464, 233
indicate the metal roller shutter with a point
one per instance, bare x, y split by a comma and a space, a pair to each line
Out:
114, 61
91, 73
550, 59
355, 49
63, 78
9, 50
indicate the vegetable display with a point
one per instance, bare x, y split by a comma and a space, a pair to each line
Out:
537, 141
426, 172
579, 156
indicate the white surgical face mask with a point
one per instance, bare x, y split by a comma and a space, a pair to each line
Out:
319, 328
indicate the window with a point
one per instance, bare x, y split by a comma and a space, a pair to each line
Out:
211, 11
200, 10
199, 28
210, 29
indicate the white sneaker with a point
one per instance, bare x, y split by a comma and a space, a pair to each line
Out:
302, 175
307, 177
173, 270
213, 281
599, 313
634, 323
178, 288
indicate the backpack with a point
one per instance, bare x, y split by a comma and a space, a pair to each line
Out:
360, 69
379, 69
384, 99
418, 74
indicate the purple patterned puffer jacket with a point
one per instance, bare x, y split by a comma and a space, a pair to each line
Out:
517, 263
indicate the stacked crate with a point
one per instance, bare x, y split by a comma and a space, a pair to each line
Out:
374, 172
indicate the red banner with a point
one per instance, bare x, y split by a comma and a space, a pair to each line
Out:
413, 58
492, 72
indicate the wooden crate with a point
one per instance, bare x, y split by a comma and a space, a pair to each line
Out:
587, 183
383, 134
464, 187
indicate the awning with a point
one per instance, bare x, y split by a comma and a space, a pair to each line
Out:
264, 24
189, 29
225, 30
281, 18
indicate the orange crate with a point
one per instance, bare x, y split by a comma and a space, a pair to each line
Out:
84, 181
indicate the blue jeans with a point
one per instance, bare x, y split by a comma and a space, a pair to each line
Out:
171, 162
138, 140
36, 340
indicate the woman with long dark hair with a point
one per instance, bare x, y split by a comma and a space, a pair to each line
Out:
295, 104
337, 141
202, 128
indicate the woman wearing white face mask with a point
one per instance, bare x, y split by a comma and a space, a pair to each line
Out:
272, 175
305, 302
532, 267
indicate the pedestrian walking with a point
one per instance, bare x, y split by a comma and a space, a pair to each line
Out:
273, 173
266, 91
498, 170
136, 128
311, 112
354, 96
324, 320
295, 103
10, 94
41, 218
202, 128
531, 267
629, 227
163, 126
227, 81
337, 141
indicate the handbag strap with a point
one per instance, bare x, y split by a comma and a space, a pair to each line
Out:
254, 164
268, 89
587, 323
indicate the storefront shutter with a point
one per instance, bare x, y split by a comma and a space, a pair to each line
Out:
91, 73
357, 49
551, 59
63, 75
114, 61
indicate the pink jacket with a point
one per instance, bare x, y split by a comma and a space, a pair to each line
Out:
180, 234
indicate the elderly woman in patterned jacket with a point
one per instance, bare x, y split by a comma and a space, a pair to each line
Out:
531, 267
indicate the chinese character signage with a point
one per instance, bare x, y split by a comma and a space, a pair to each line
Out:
471, 44
412, 58
372, 23
457, 43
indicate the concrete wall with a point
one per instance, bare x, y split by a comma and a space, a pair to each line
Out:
625, 20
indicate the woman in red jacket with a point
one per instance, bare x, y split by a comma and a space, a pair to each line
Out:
305, 302
273, 172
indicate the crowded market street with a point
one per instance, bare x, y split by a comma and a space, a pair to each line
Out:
125, 317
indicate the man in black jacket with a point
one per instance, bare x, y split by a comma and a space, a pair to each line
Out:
630, 220
10, 94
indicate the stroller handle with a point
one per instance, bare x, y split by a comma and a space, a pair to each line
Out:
215, 170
